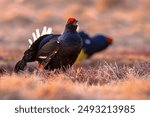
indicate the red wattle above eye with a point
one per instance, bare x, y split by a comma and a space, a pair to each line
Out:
71, 20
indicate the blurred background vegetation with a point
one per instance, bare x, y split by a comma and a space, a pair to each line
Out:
120, 71
126, 21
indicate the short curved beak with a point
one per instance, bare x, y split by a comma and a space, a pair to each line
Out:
109, 39
75, 23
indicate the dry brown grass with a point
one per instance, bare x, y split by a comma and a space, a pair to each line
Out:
121, 72
104, 81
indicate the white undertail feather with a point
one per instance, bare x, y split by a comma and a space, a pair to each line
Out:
30, 41
34, 36
37, 34
44, 30
49, 31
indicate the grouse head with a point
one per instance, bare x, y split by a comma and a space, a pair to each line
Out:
109, 40
72, 24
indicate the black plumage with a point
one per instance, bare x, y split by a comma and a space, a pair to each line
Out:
55, 51
97, 43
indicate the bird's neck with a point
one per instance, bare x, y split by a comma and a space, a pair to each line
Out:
69, 31
70, 27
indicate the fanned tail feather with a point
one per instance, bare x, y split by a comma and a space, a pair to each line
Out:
37, 34
30, 41
49, 31
34, 36
44, 30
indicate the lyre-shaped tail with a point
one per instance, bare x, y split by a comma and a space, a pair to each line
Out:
37, 34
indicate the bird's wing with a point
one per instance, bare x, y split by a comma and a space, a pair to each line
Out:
48, 51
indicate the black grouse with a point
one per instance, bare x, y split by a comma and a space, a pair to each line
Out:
92, 45
54, 51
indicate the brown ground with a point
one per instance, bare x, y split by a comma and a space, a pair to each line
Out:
120, 72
